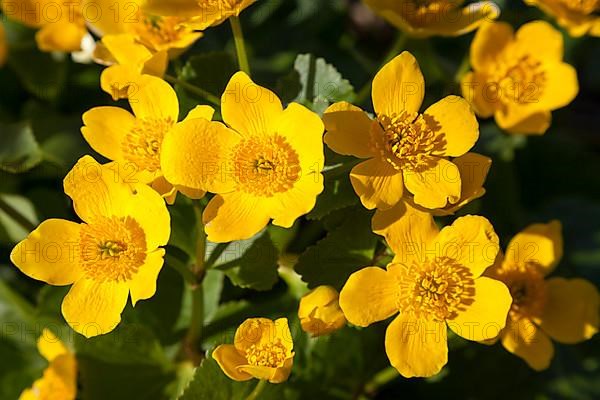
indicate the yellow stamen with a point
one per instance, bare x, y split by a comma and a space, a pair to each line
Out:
142, 145
266, 355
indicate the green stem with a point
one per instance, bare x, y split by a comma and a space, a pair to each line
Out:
215, 254
240, 44
398, 45
211, 98
16, 215
260, 386
380, 379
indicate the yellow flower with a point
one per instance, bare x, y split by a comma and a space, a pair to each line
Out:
434, 17
320, 312
59, 381
519, 78
114, 253
473, 169
3, 45
203, 13
403, 148
134, 141
578, 17
262, 349
60, 24
266, 165
127, 60
157, 33
433, 281
566, 310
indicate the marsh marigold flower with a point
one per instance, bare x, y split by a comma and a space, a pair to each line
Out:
434, 17
405, 151
59, 381
265, 165
519, 78
261, 349
435, 280
113, 254
578, 17
60, 23
319, 311
565, 310
134, 142
203, 13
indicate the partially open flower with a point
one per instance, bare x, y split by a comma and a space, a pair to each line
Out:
320, 312
262, 349
578, 17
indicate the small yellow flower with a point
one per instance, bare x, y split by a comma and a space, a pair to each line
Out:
59, 381
473, 169
134, 141
3, 45
320, 312
262, 349
578, 17
434, 280
114, 253
566, 310
434, 17
266, 165
404, 149
519, 78
203, 13
127, 60
60, 23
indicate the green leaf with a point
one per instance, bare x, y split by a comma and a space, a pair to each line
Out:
10, 224
19, 151
337, 194
322, 84
257, 267
346, 249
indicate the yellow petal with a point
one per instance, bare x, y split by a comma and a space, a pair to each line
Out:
205, 168
177, 8
319, 311
50, 253
416, 347
94, 308
126, 51
525, 340
203, 112
105, 129
273, 375
50, 346
348, 130
541, 39
436, 185
471, 241
297, 201
369, 296
486, 316
3, 45
249, 108
377, 183
407, 230
157, 64
151, 97
489, 43
261, 331
235, 216
229, 359
476, 89
560, 88
455, 124
473, 170
458, 21
541, 244
60, 36
533, 124
571, 313
143, 284
398, 86
119, 81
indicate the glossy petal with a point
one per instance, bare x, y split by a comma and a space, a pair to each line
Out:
377, 184
105, 129
287, 207
303, 130
50, 346
143, 284
541, 244
61, 36
541, 39
348, 130
476, 89
560, 89
230, 359
416, 347
489, 43
153, 98
203, 112
435, 186
525, 340
369, 295
50, 253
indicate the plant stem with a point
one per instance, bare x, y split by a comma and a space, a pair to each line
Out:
211, 98
398, 45
215, 254
380, 379
240, 45
260, 386
16, 216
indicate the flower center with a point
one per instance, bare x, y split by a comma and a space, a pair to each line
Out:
265, 166
436, 289
408, 140
142, 144
527, 288
585, 7
155, 32
518, 82
266, 355
112, 249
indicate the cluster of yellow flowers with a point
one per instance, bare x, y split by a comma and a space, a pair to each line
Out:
263, 162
